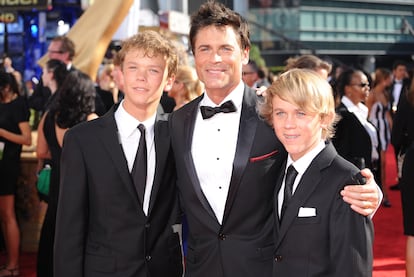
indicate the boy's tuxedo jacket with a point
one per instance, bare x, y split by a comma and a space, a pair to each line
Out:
320, 235
101, 227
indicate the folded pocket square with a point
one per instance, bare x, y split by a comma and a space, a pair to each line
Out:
306, 212
263, 157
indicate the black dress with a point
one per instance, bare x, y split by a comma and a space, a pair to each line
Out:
46, 241
11, 114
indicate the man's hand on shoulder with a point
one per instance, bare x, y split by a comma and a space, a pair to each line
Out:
364, 199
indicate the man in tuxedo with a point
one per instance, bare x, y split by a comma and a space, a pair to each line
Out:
118, 208
399, 86
60, 48
228, 158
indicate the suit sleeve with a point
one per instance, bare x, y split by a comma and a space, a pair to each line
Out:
72, 213
351, 241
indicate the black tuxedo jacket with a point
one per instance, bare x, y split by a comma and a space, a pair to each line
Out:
101, 227
351, 140
319, 234
243, 244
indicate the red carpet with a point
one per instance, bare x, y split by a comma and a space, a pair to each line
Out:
389, 244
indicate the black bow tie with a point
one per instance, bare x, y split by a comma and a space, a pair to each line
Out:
226, 107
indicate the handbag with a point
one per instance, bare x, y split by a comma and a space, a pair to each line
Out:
43, 180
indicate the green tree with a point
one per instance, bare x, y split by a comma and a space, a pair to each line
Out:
256, 56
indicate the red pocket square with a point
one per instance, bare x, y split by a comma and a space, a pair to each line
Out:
263, 157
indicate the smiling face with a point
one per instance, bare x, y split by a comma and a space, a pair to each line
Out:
299, 131
144, 79
218, 60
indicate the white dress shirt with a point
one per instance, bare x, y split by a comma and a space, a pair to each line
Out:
300, 165
129, 138
213, 150
396, 92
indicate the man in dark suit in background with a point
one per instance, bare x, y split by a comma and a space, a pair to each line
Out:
108, 223
227, 163
60, 48
399, 87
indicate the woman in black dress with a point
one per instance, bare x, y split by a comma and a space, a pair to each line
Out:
14, 132
74, 103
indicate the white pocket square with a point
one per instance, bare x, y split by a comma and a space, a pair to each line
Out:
306, 212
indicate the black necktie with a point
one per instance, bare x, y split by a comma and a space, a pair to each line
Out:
226, 107
289, 180
139, 169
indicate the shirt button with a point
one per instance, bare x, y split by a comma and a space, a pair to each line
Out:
148, 258
278, 258
222, 236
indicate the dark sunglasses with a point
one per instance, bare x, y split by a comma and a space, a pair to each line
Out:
362, 85
55, 52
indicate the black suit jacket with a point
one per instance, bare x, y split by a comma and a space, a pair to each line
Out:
101, 227
243, 244
351, 140
336, 241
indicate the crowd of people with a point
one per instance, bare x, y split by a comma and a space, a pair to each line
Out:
157, 139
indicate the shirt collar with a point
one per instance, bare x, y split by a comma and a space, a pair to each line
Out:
127, 124
303, 163
359, 109
235, 95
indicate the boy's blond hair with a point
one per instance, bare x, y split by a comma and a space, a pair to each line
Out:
307, 90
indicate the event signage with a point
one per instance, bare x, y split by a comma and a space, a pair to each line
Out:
8, 17
16, 5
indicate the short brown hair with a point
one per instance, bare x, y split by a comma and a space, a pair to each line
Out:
67, 45
213, 13
309, 62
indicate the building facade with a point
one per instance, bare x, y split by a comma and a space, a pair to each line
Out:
361, 33
365, 33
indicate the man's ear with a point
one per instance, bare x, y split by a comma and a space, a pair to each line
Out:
245, 56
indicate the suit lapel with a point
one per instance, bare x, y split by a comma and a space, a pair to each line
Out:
310, 180
110, 138
189, 123
247, 131
162, 145
275, 195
